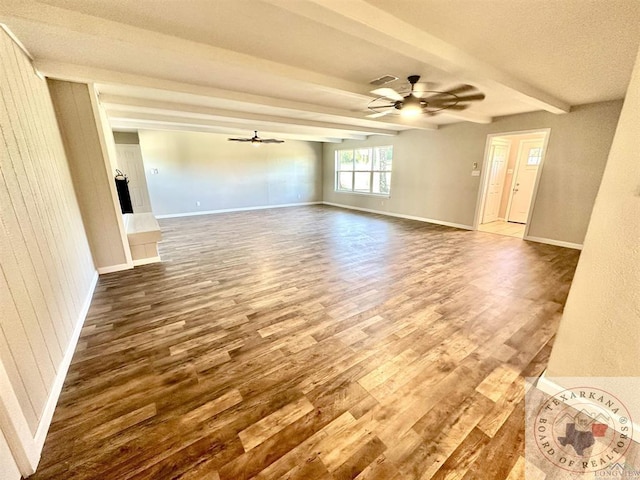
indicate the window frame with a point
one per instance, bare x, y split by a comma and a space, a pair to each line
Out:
371, 171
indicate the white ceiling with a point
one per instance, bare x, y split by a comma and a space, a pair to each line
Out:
301, 68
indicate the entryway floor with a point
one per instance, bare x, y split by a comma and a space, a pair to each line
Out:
501, 227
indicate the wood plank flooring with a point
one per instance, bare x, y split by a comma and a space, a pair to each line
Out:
311, 343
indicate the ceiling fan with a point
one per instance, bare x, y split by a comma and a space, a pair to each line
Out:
416, 99
255, 140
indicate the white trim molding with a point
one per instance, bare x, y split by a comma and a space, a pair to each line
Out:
400, 215
241, 209
146, 261
17, 41
115, 268
551, 241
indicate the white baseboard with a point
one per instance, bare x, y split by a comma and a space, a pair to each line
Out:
400, 215
557, 243
146, 261
115, 268
242, 209
550, 387
52, 401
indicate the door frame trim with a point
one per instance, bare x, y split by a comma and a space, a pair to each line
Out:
484, 177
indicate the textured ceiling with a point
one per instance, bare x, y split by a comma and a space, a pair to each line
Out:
276, 64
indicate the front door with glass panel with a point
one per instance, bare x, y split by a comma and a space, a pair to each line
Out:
529, 160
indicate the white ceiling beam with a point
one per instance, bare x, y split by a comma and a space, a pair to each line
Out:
86, 74
135, 125
230, 126
70, 20
197, 111
367, 22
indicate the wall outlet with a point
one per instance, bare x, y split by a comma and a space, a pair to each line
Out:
154, 171
382, 203
197, 203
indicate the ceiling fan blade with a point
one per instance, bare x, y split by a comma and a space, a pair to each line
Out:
460, 89
378, 115
474, 98
471, 98
271, 140
387, 93
239, 139
452, 103
449, 94
441, 102
448, 102
458, 107
375, 107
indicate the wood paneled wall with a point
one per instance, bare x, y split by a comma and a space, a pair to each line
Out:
46, 270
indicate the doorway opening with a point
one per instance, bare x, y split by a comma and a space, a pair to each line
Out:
512, 167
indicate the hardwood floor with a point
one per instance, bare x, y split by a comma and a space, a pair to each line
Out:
311, 343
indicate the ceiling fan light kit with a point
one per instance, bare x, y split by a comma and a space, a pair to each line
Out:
419, 99
410, 107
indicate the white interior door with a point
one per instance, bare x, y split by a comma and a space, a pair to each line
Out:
130, 162
498, 158
529, 158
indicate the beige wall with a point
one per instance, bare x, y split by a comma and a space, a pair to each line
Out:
91, 152
432, 170
126, 138
206, 168
46, 270
599, 332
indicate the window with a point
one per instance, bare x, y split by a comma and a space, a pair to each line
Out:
535, 156
364, 170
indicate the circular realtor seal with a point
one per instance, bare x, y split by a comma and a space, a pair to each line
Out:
583, 429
